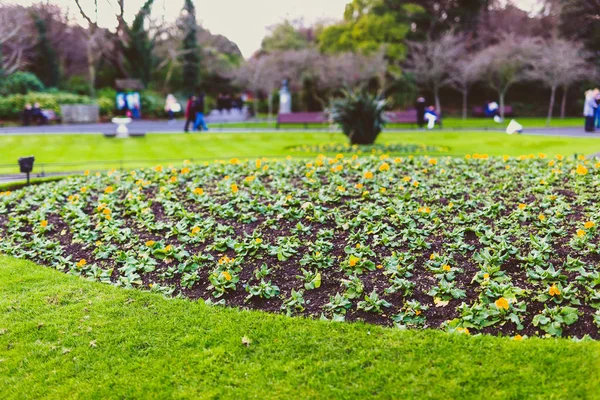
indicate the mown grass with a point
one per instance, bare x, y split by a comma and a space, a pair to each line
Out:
63, 337
76, 151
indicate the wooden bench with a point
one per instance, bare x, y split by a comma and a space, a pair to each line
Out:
302, 118
51, 116
479, 112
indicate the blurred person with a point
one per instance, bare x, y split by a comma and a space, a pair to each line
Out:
190, 113
37, 114
172, 107
420, 107
431, 116
597, 112
589, 109
27, 114
199, 109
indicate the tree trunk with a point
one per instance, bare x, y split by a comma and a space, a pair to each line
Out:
551, 106
438, 104
464, 104
501, 98
270, 106
91, 69
255, 104
563, 104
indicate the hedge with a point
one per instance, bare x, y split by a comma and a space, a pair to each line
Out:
12, 106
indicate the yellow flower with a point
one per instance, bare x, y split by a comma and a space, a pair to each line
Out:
234, 188
341, 189
416, 184
368, 175
501, 303
234, 161
553, 290
522, 206
353, 261
150, 243
173, 179
81, 263
559, 157
87, 172
433, 256
339, 167
384, 167
581, 157
108, 217
551, 163
226, 275
447, 268
83, 189
258, 162
468, 156
44, 223
542, 217
106, 211
580, 233
169, 248
486, 276
359, 186
195, 230
249, 178
109, 189
198, 191
185, 170
380, 266
518, 337
541, 155
589, 224
406, 179
581, 170
432, 161
258, 240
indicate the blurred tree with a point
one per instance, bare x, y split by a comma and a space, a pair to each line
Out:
371, 25
430, 62
580, 21
14, 38
139, 47
506, 63
558, 64
45, 65
463, 73
191, 57
284, 36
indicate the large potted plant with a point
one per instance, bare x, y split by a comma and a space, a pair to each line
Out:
360, 114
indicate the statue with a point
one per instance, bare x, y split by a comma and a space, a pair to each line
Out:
285, 98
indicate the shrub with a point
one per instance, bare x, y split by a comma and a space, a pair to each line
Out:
11, 106
360, 115
77, 84
20, 83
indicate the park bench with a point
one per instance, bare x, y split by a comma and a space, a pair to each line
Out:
479, 111
302, 118
51, 116
406, 117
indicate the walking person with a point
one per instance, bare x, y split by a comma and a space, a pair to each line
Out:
190, 113
589, 109
27, 114
420, 107
597, 113
172, 107
199, 109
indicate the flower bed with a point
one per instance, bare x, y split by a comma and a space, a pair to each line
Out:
492, 245
375, 149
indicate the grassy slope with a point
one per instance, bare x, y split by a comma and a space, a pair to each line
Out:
83, 148
449, 123
150, 347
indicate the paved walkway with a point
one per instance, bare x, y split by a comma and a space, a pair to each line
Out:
177, 127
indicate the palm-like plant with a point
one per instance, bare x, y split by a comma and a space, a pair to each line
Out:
360, 114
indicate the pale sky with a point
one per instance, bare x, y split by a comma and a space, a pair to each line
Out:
244, 22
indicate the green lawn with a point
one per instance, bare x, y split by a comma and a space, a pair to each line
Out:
449, 123
63, 337
76, 151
